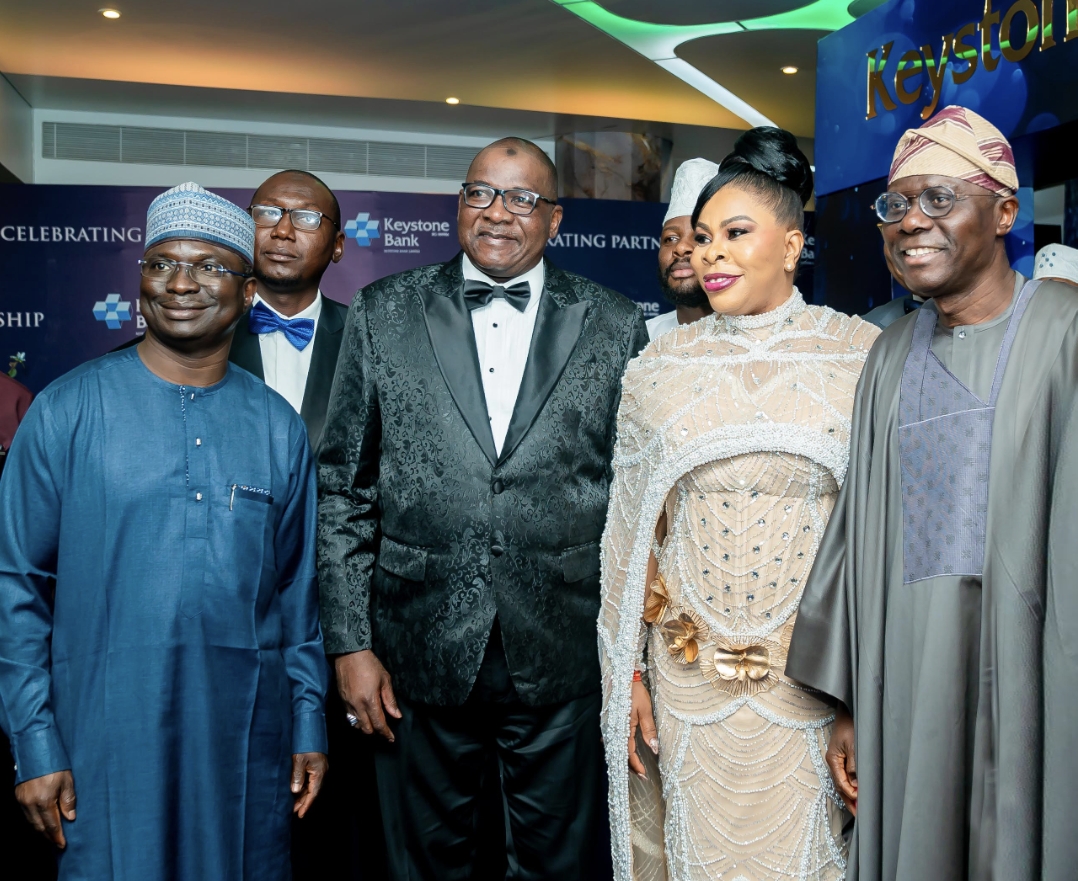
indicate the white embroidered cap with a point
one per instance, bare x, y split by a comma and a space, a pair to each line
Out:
689, 180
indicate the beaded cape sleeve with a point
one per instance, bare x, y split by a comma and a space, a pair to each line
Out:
721, 387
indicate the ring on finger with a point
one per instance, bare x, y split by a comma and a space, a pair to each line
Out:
352, 720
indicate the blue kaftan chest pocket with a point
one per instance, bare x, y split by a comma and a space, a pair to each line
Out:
241, 553
253, 493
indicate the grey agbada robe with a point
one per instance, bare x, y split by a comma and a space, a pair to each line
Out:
964, 690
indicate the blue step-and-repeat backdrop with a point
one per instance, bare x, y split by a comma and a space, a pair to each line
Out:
69, 279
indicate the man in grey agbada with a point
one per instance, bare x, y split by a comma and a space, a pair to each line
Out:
942, 609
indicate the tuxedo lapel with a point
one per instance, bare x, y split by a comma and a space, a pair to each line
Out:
449, 325
327, 346
245, 351
558, 322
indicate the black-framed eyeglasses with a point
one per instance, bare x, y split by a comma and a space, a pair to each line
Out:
516, 201
934, 202
205, 272
306, 219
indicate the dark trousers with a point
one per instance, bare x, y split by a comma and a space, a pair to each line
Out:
341, 836
550, 761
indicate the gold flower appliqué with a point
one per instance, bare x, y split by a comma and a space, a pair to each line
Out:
742, 669
657, 601
683, 634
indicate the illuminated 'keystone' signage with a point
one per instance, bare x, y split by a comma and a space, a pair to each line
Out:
918, 75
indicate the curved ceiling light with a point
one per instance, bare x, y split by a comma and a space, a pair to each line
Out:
659, 42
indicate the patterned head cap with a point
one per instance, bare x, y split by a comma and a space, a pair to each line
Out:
957, 142
1056, 261
190, 212
689, 181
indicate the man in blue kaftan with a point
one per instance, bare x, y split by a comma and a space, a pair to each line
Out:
172, 676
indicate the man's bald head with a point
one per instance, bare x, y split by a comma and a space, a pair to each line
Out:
329, 206
512, 147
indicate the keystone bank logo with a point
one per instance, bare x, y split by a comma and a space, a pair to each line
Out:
112, 311
362, 229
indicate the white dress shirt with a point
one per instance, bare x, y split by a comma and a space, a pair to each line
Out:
284, 367
503, 338
660, 324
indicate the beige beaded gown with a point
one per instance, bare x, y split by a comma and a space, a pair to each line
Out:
739, 428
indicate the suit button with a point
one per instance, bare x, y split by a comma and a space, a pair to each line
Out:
498, 487
496, 550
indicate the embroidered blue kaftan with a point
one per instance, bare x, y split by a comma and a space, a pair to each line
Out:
177, 664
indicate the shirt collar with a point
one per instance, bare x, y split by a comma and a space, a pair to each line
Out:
535, 277
312, 311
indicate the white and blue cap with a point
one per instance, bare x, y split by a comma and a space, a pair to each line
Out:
191, 212
1056, 261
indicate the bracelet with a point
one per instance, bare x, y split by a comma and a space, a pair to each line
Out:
637, 677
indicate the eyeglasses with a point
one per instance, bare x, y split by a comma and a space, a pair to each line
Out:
934, 202
522, 202
162, 270
304, 219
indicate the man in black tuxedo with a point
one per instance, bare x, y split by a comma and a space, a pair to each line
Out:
463, 473
292, 335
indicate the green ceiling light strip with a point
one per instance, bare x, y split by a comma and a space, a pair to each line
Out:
823, 15
659, 42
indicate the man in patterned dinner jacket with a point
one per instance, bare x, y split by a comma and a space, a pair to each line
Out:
463, 491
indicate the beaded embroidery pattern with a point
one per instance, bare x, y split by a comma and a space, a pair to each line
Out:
740, 426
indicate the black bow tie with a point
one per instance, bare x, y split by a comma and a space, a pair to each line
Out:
479, 293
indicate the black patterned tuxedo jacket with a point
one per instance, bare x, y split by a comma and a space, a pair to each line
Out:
425, 533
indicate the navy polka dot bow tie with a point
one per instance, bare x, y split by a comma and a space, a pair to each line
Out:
298, 331
479, 293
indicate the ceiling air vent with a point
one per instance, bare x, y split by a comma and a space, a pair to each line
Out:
222, 149
157, 146
342, 157
97, 143
151, 146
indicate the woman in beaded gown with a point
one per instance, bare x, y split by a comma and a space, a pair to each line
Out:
732, 444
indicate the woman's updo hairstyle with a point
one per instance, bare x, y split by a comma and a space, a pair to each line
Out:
767, 161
